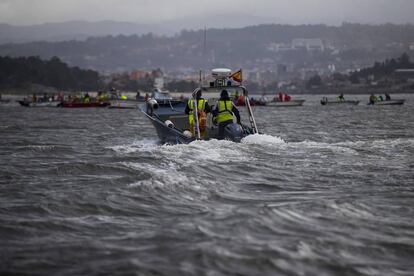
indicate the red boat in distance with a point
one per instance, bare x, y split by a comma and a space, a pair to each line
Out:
87, 101
83, 104
253, 102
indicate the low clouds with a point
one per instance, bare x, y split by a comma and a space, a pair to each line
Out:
25, 12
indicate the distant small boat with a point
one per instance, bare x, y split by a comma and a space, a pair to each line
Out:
4, 101
84, 105
253, 102
388, 102
40, 104
286, 103
325, 101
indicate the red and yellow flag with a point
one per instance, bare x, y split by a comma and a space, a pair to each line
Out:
237, 76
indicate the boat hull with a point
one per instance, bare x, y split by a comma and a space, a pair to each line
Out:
285, 104
339, 102
389, 102
84, 105
170, 122
40, 104
168, 135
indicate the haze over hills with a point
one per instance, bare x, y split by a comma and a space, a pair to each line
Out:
80, 30
72, 30
271, 47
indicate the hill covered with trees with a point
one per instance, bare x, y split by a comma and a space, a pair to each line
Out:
345, 46
25, 71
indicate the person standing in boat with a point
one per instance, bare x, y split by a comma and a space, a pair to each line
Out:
387, 97
341, 98
372, 99
224, 112
86, 98
203, 108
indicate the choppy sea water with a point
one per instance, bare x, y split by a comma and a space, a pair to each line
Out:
324, 191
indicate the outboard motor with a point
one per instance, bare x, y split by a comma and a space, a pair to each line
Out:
152, 105
233, 132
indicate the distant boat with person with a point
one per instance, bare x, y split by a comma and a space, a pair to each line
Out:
379, 100
120, 101
26, 103
86, 101
42, 101
339, 100
284, 100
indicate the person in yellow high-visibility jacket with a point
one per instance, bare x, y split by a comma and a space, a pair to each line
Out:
203, 108
224, 111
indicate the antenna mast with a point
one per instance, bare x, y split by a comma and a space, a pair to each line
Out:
204, 53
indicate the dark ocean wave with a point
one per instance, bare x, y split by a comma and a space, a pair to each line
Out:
326, 191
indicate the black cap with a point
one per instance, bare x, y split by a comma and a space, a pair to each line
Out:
224, 94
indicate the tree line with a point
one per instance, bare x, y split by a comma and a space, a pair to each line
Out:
241, 47
22, 71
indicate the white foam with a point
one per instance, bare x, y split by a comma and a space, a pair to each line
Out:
40, 147
262, 139
165, 173
204, 151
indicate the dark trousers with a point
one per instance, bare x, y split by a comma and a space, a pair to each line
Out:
221, 127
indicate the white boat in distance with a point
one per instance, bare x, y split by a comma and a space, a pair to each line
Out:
41, 104
326, 101
285, 104
388, 102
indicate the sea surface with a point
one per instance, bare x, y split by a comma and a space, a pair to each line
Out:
325, 190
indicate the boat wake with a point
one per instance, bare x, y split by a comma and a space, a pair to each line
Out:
260, 139
206, 165
215, 150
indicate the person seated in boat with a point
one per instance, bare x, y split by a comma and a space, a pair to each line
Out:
86, 98
224, 111
372, 99
102, 96
235, 96
203, 108
341, 97
263, 98
283, 97
387, 97
380, 98
60, 97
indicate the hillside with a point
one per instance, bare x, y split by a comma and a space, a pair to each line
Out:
24, 72
349, 46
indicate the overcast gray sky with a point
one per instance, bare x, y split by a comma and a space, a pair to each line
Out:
26, 12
